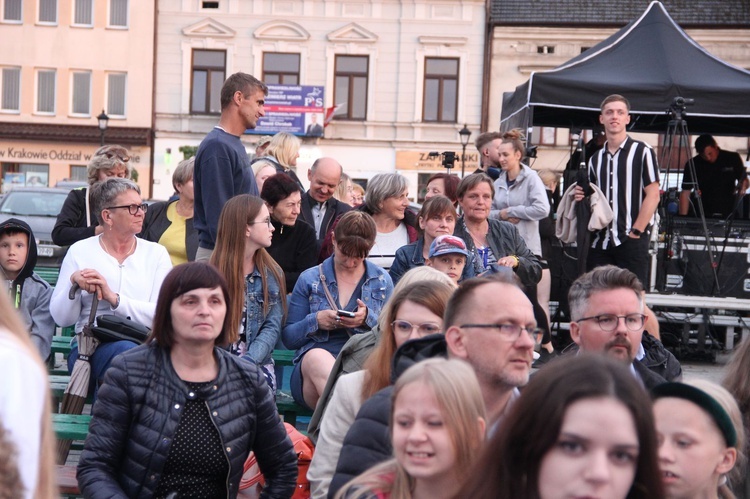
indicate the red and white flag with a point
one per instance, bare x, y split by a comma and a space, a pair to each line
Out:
330, 111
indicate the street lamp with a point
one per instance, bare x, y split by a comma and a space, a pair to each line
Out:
464, 134
103, 122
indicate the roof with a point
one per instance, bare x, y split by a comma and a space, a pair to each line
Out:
686, 13
74, 133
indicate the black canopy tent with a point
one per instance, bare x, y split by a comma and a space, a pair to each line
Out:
650, 61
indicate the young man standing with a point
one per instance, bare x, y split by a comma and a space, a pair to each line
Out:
627, 173
222, 167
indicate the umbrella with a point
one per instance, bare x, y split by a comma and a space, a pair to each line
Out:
583, 210
75, 394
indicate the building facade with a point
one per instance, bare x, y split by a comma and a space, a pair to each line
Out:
63, 63
406, 75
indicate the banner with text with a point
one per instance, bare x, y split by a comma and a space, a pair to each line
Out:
295, 109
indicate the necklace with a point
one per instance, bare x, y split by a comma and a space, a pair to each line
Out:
478, 240
132, 248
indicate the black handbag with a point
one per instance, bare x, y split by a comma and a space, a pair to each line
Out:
114, 328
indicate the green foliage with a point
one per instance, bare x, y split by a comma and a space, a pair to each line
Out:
188, 151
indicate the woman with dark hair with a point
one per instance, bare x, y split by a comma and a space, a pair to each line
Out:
180, 414
170, 223
341, 297
443, 184
436, 218
78, 219
124, 271
293, 242
583, 427
254, 279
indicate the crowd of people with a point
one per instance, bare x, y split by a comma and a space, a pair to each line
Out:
414, 333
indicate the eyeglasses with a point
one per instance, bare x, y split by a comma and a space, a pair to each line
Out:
112, 153
510, 332
132, 208
609, 322
266, 221
405, 328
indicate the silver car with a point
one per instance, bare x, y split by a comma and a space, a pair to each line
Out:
38, 207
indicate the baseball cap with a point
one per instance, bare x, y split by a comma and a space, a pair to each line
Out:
447, 244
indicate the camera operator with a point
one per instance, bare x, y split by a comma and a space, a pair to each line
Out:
720, 177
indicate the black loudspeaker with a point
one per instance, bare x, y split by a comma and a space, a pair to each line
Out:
689, 271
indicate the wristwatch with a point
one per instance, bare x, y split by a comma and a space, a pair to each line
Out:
636, 232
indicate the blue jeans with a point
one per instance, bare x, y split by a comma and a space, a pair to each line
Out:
101, 359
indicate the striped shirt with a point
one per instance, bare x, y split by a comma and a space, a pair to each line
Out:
622, 178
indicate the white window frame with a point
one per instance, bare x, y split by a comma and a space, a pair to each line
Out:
11, 21
39, 13
73, 74
110, 112
109, 15
38, 72
74, 6
20, 90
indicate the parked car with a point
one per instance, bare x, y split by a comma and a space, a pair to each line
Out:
38, 207
69, 184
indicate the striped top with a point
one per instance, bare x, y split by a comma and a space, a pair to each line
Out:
622, 178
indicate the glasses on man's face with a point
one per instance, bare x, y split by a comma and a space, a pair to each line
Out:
266, 221
405, 328
120, 154
609, 322
510, 332
132, 208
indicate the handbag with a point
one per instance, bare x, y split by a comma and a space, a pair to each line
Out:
114, 328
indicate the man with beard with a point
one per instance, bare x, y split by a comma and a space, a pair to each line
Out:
607, 316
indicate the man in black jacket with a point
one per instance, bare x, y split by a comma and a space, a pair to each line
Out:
319, 207
607, 316
496, 338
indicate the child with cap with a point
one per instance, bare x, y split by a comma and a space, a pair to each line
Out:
448, 254
29, 293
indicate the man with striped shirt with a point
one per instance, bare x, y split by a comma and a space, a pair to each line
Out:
627, 172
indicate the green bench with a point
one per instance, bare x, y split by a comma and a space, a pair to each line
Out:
49, 274
71, 426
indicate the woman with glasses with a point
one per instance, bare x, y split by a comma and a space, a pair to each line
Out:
245, 231
333, 301
124, 271
77, 219
414, 311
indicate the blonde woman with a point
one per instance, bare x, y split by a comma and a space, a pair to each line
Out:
437, 427
282, 153
345, 191
25, 406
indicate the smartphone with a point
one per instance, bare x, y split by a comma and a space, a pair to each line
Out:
345, 313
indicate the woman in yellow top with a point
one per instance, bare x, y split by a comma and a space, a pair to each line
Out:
170, 223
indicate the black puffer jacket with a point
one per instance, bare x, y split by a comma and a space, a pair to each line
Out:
139, 408
368, 441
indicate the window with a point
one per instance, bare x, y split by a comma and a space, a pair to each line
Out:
118, 13
78, 172
281, 69
208, 78
83, 13
45, 91
209, 5
544, 135
545, 49
13, 10
116, 94
48, 11
10, 89
81, 94
350, 87
440, 89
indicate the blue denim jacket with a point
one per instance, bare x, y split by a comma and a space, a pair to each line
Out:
411, 255
308, 298
261, 331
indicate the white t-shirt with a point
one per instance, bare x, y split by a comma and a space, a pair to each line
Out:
386, 244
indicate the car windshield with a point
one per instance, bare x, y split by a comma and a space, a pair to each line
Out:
30, 203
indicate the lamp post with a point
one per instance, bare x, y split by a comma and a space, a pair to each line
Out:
103, 122
464, 135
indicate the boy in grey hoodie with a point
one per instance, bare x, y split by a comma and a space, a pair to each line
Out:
29, 293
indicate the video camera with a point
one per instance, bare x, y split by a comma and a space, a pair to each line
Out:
448, 158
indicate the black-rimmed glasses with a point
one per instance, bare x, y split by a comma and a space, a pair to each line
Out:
510, 332
609, 322
132, 208
264, 221
405, 328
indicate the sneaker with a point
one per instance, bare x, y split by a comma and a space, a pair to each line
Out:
544, 357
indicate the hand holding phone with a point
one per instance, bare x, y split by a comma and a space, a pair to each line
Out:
345, 313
